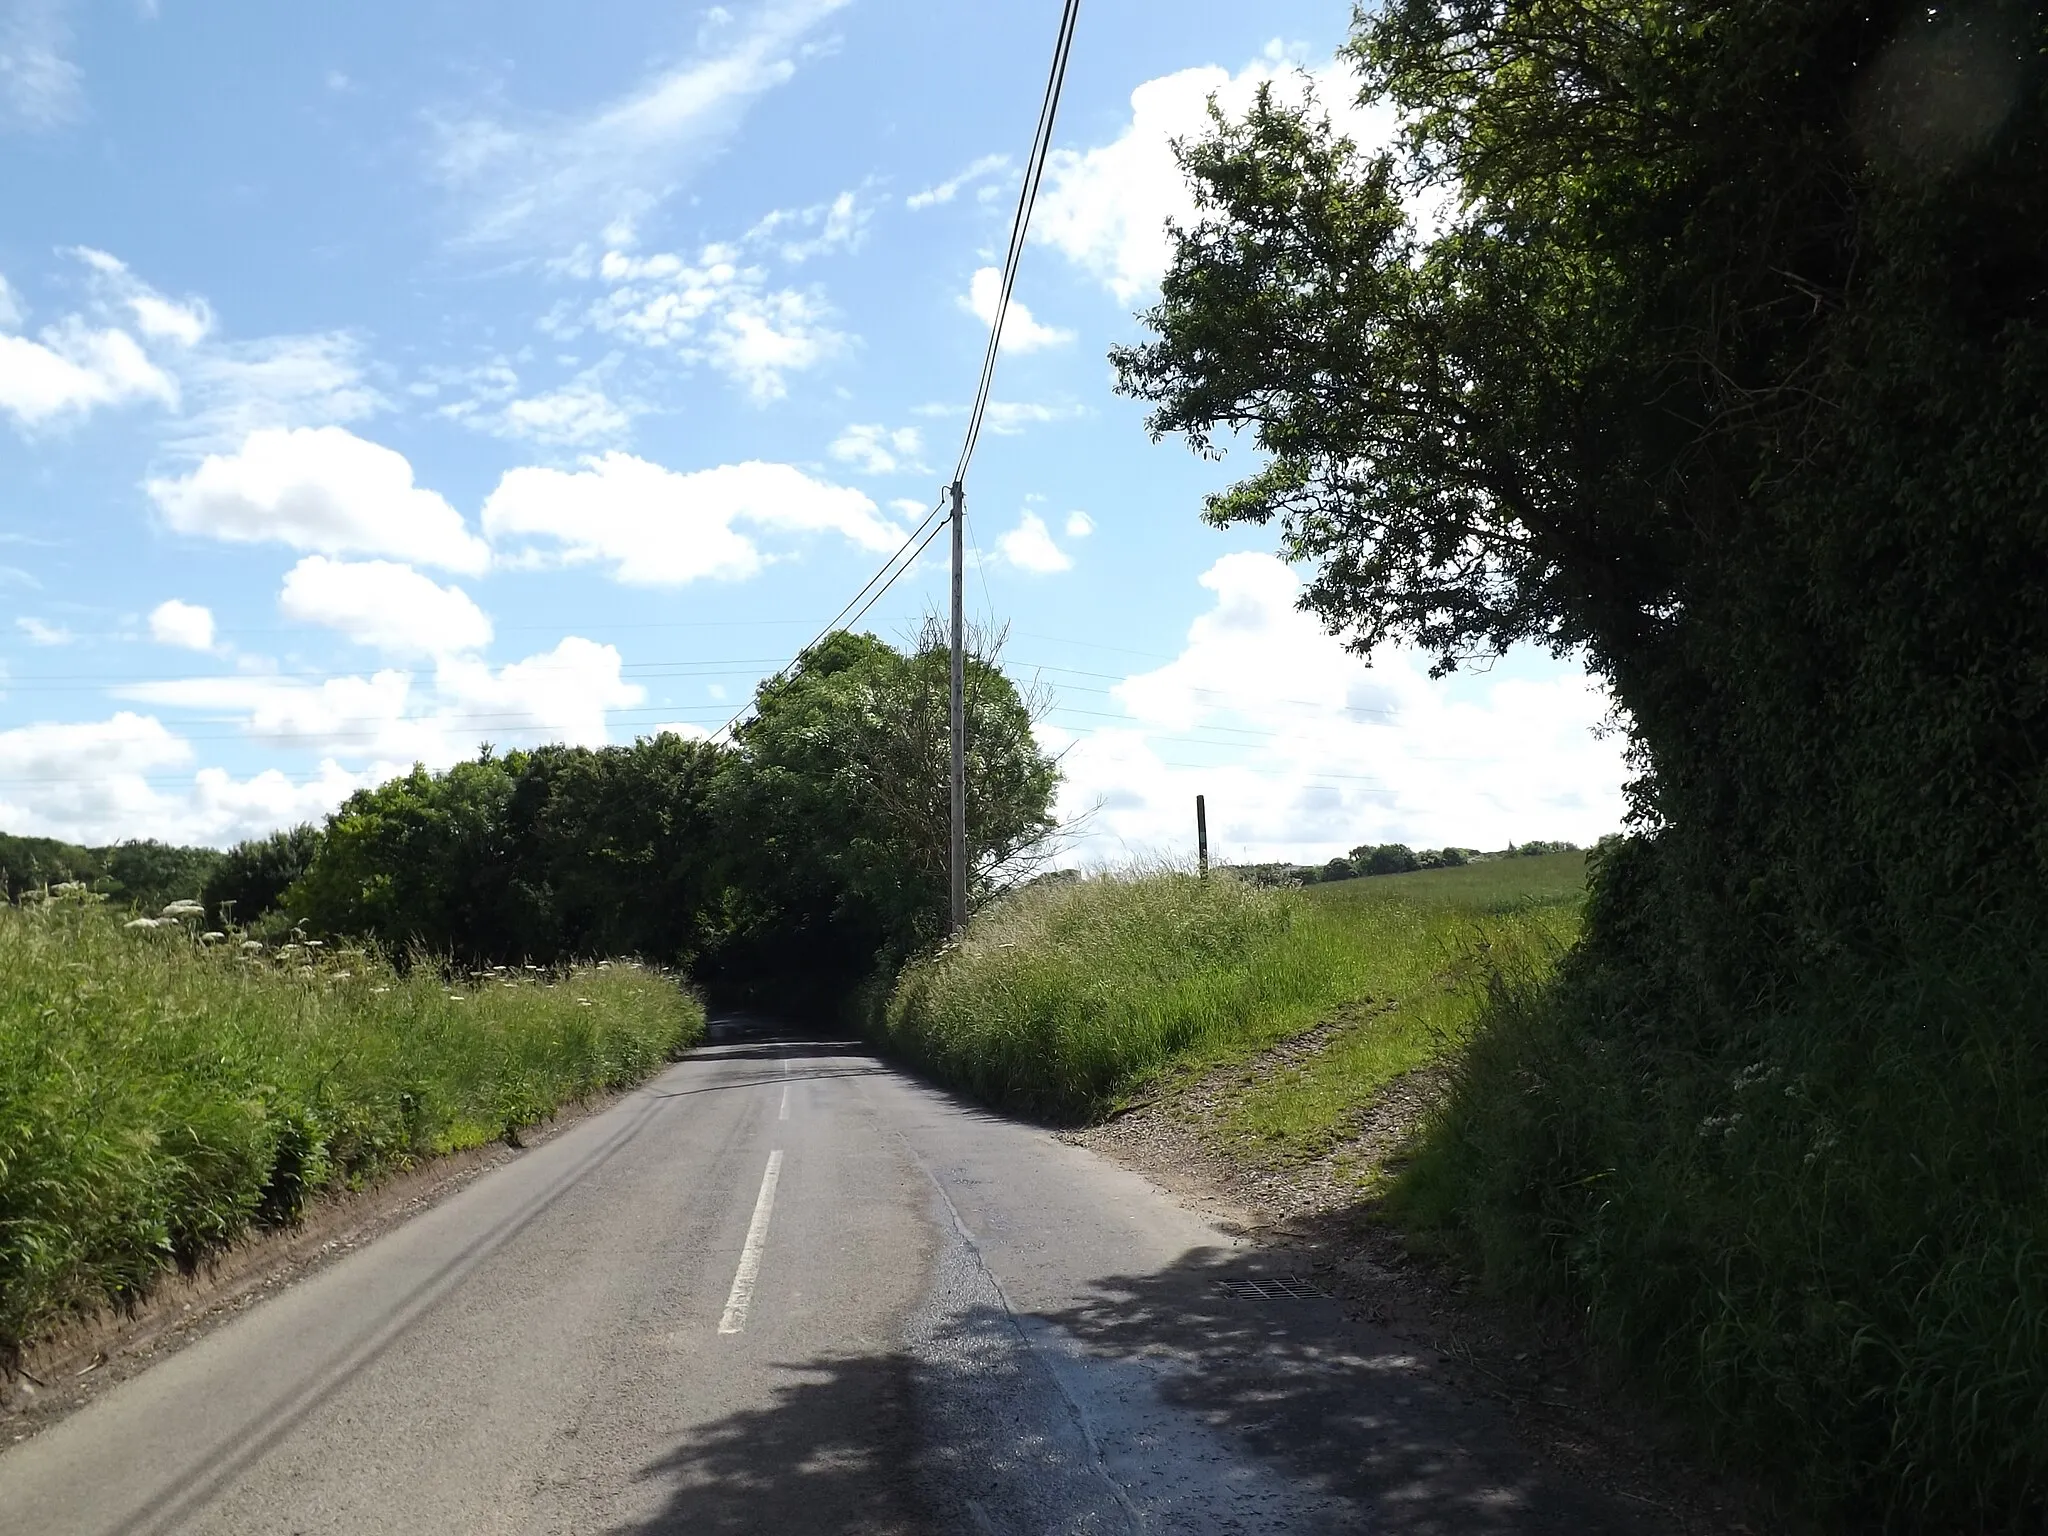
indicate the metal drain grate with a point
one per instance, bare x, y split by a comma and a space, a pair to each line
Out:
1274, 1288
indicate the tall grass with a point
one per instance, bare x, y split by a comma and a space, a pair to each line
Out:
1066, 999
160, 1097
1825, 1241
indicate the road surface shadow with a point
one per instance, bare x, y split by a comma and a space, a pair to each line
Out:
1181, 1401
836, 1451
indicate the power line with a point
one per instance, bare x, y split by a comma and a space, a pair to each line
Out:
1027, 199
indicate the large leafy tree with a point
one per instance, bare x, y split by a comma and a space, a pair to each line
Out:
1708, 339
835, 811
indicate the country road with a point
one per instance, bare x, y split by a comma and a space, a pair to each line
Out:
786, 1288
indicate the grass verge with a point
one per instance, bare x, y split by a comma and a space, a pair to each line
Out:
1069, 1000
159, 1098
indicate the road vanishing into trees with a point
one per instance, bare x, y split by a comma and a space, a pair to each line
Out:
784, 1287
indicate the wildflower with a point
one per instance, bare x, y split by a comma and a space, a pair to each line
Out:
252, 945
179, 909
141, 923
212, 938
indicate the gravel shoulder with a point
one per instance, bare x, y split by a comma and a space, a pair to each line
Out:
1322, 1214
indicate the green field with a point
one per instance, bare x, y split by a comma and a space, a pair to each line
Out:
160, 1097
1070, 1000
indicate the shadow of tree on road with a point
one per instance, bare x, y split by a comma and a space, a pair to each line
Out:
1171, 1401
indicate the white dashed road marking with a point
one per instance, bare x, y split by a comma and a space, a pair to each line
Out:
735, 1319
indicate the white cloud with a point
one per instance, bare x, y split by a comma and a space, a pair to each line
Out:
74, 368
877, 450
99, 781
1029, 547
185, 625
656, 527
798, 234
1079, 525
183, 323
1309, 752
947, 190
718, 309
314, 380
543, 177
1021, 332
322, 489
392, 717
579, 414
40, 633
1107, 208
390, 607
39, 86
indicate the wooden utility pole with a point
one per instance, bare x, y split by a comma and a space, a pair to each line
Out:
1202, 833
957, 864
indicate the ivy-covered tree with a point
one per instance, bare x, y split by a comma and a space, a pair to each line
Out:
1708, 340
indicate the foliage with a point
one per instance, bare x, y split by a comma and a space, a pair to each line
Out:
147, 875
250, 881
558, 853
834, 810
1067, 1000
29, 863
159, 1097
1722, 366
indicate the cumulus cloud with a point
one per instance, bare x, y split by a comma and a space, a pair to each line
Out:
390, 607
184, 625
1079, 525
657, 527
395, 717
1303, 751
1021, 331
720, 309
982, 169
322, 489
39, 87
130, 776
1029, 547
539, 176
1107, 208
874, 449
74, 367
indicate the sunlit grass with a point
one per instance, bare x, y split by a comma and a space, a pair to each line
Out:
1068, 1000
159, 1096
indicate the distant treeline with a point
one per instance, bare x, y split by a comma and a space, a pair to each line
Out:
1389, 859
143, 874
793, 861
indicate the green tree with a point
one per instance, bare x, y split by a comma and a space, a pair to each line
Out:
252, 877
1385, 859
148, 875
1719, 362
835, 811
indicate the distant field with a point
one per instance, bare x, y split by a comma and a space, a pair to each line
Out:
1493, 886
1070, 1000
160, 1097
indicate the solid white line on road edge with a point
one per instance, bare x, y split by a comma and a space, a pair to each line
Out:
735, 1319
785, 1103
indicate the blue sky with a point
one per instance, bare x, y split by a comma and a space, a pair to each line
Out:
380, 380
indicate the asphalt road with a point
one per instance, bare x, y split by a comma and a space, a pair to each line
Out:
785, 1288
